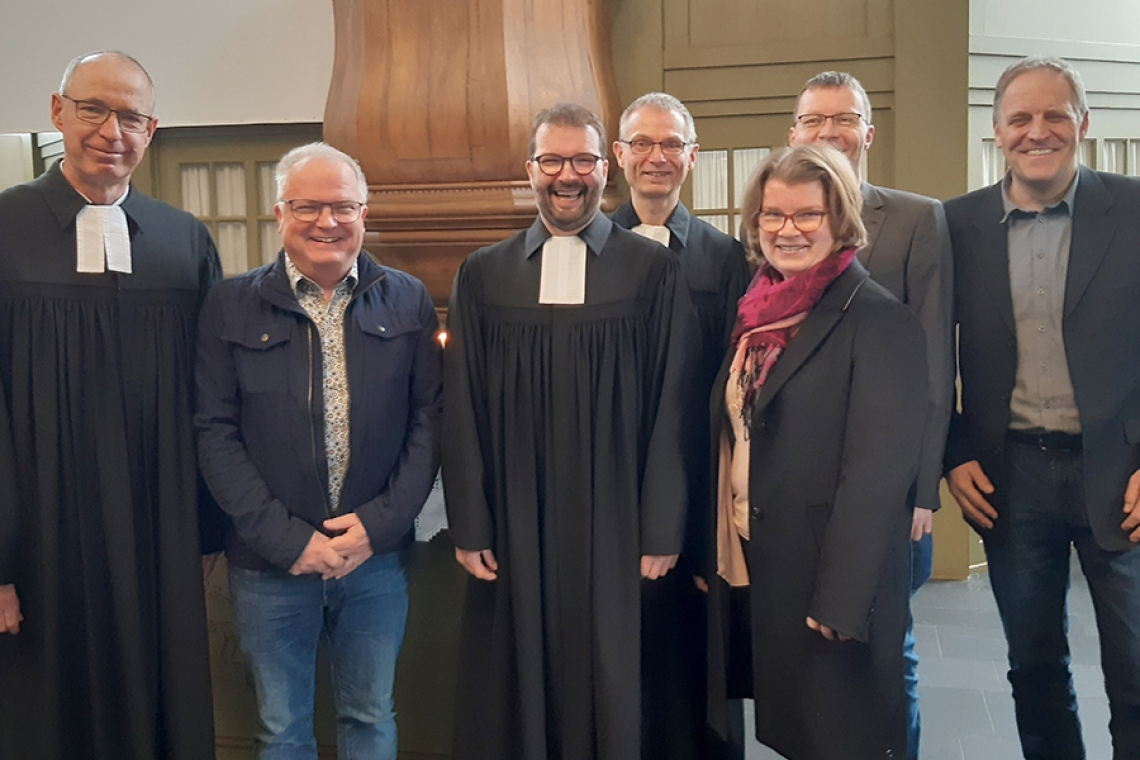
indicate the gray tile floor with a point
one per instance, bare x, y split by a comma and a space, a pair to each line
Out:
967, 710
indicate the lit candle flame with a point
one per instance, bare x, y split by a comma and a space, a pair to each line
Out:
442, 337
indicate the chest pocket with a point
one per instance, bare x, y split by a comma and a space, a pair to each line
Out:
261, 357
389, 347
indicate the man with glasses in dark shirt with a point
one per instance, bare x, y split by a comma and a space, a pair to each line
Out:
908, 253
657, 148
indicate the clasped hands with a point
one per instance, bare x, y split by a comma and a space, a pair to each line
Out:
339, 555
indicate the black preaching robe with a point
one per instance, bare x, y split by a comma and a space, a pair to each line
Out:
562, 453
101, 528
673, 610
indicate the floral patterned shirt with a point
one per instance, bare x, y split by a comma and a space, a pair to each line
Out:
329, 320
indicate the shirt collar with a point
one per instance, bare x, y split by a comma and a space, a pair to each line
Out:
677, 223
1009, 207
295, 276
66, 202
595, 235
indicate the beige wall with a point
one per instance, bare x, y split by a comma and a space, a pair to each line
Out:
214, 61
740, 65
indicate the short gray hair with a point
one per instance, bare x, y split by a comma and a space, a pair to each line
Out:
567, 115
1038, 63
78, 61
839, 79
661, 101
317, 151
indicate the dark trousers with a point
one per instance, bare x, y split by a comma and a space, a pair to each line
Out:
1029, 575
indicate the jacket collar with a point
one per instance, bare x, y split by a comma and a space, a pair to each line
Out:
1093, 230
275, 287
873, 217
822, 319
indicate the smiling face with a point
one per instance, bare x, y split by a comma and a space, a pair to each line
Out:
655, 175
1038, 128
99, 158
790, 251
567, 201
831, 101
323, 250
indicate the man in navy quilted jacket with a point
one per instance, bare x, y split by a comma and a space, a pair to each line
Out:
318, 401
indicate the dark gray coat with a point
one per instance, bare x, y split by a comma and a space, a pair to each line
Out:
835, 442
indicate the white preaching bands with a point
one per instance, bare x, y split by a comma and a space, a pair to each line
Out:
102, 240
654, 232
563, 271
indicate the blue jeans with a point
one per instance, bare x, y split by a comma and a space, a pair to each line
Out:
1030, 580
281, 618
921, 565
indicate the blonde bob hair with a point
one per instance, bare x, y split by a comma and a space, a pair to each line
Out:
800, 165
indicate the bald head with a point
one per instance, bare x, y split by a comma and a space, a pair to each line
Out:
118, 55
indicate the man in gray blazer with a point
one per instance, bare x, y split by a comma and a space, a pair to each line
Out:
1045, 454
908, 253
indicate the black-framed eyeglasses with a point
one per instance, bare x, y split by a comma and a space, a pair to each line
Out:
640, 146
344, 212
840, 120
804, 221
551, 164
97, 113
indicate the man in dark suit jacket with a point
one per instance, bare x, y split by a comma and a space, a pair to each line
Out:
1044, 454
657, 147
908, 253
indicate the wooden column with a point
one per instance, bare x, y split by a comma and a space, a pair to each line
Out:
435, 99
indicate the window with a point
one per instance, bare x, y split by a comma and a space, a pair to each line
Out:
719, 180
224, 176
218, 194
993, 162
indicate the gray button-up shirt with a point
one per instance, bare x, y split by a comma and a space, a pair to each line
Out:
1039, 242
329, 319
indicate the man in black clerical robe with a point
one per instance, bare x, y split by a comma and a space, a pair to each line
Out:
565, 381
656, 148
103, 651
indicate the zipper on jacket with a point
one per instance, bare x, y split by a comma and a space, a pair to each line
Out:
312, 373
313, 418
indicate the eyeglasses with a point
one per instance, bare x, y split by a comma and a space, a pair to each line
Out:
642, 147
551, 164
344, 212
804, 221
97, 113
840, 120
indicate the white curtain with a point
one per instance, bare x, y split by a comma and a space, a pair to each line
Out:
720, 221
744, 163
230, 179
266, 189
196, 189
1113, 154
232, 247
710, 180
270, 242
